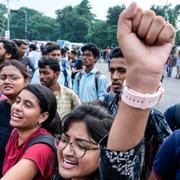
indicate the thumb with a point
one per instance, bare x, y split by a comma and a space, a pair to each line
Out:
124, 23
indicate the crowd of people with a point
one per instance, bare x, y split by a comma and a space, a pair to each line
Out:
60, 120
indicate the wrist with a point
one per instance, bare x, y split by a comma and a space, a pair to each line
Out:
142, 81
139, 100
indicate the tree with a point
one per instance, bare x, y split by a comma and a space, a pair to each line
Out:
75, 22
178, 38
113, 14
84, 9
98, 33
39, 27
168, 12
2, 19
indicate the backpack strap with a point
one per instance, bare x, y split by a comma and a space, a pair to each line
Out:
42, 139
79, 78
97, 75
177, 115
65, 77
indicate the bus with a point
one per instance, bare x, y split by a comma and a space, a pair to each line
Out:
69, 45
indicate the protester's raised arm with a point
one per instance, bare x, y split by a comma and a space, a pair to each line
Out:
146, 41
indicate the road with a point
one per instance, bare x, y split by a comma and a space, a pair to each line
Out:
172, 88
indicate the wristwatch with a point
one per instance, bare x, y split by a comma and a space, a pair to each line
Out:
140, 100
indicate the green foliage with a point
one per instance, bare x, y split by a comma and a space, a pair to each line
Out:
75, 22
113, 14
39, 27
2, 19
98, 33
178, 38
168, 12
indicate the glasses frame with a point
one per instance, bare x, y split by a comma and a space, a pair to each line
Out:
58, 138
10, 77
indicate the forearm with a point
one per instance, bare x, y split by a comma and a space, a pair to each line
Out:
130, 123
128, 127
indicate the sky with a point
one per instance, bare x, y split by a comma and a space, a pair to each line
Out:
99, 7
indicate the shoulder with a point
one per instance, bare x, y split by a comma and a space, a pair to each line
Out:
100, 75
171, 109
38, 145
39, 149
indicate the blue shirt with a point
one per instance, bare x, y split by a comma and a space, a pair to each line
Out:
86, 88
167, 161
61, 80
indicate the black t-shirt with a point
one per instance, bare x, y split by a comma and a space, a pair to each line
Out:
5, 129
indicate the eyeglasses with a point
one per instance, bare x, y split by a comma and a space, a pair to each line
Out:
120, 70
79, 147
10, 77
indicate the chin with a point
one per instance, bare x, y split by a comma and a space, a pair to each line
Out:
116, 90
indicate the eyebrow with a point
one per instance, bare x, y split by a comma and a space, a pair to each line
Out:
80, 139
9, 74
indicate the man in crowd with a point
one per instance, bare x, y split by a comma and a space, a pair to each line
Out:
67, 100
54, 51
64, 58
90, 85
117, 69
8, 50
34, 55
76, 63
22, 47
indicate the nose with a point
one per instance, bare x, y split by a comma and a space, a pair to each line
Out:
17, 106
41, 75
68, 150
115, 75
7, 80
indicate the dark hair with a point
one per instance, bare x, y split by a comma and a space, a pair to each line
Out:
11, 48
98, 121
74, 52
63, 51
51, 62
116, 53
20, 42
52, 47
92, 48
33, 47
47, 102
21, 67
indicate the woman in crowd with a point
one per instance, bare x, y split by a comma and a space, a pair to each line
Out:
78, 152
13, 77
32, 115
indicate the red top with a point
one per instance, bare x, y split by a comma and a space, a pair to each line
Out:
2, 97
41, 154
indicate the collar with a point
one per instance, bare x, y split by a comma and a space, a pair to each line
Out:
93, 71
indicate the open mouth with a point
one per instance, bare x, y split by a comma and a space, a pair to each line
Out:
68, 164
15, 116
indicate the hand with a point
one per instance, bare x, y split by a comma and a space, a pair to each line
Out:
146, 41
